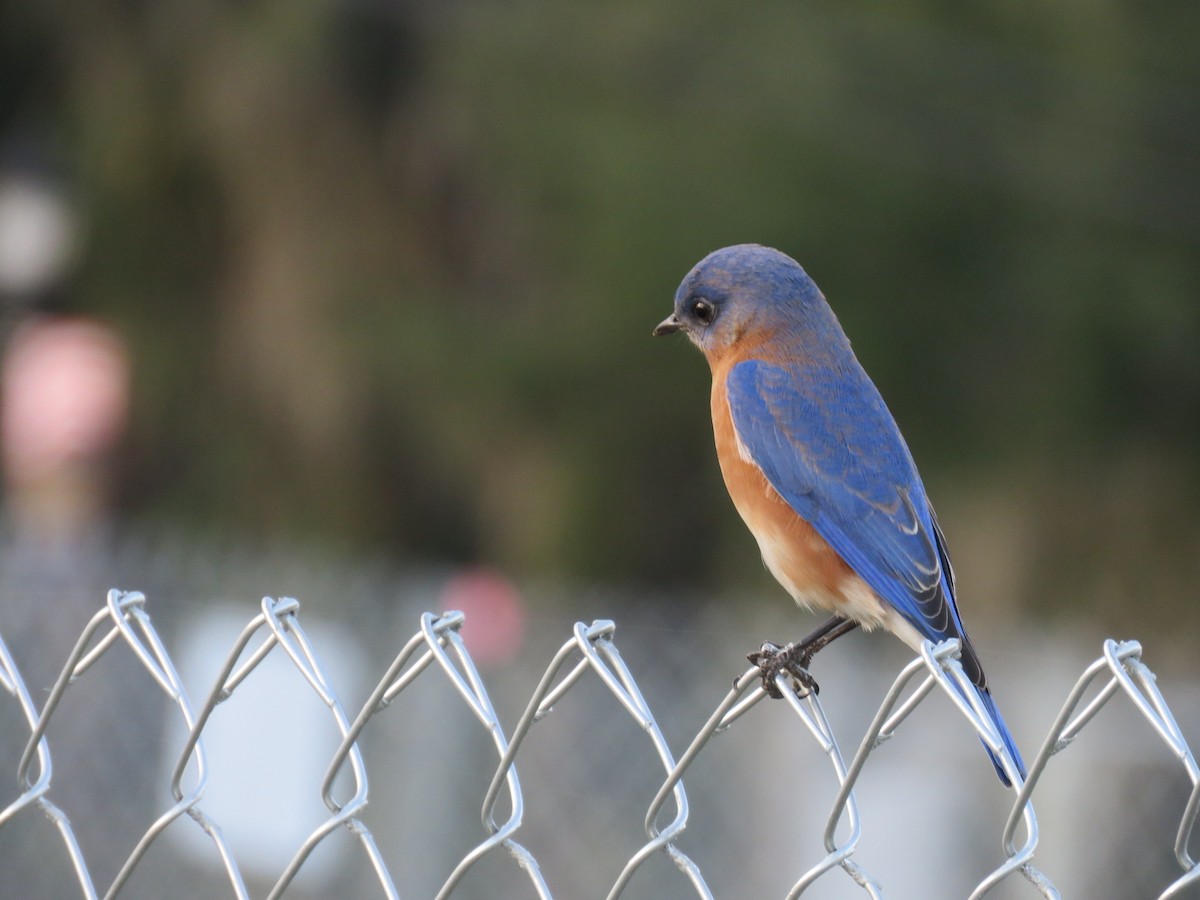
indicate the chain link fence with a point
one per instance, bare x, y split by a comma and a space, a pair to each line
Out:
817, 842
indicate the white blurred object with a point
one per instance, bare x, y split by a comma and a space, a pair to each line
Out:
39, 234
268, 752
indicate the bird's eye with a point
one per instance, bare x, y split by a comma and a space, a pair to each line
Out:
703, 311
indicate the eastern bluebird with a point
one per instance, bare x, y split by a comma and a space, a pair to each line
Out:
815, 464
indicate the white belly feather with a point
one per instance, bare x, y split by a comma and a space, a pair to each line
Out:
852, 598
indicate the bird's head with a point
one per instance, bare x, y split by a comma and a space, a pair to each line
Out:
744, 292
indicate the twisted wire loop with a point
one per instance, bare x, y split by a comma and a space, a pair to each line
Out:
33, 790
597, 652
279, 627
942, 665
437, 639
1122, 664
280, 618
746, 693
127, 621
941, 668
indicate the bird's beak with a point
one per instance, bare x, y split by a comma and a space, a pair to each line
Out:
669, 325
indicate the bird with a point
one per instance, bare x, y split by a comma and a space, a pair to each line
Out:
817, 468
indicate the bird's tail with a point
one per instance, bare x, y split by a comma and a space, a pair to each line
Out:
1005, 735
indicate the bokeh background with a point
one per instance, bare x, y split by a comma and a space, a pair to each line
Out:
363, 286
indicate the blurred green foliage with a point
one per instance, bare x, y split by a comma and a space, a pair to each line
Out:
389, 270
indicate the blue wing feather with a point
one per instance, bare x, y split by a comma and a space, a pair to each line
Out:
841, 465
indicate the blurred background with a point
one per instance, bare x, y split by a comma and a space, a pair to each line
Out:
333, 298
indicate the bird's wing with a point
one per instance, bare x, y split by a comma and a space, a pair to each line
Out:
842, 466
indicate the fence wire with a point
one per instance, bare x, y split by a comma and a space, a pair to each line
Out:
437, 650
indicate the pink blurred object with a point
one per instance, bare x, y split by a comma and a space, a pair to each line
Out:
494, 628
64, 398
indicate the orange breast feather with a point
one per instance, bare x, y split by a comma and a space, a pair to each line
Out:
796, 555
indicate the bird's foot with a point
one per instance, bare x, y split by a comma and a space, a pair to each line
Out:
772, 659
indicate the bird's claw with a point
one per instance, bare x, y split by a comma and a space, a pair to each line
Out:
772, 659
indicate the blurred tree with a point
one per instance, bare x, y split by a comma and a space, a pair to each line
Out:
389, 270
